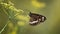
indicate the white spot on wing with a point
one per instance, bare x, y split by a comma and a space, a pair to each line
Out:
42, 18
33, 22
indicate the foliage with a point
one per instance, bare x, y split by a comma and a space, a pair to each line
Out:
15, 16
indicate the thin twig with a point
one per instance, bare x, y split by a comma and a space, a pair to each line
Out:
3, 28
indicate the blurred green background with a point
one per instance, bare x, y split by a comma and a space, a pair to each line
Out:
20, 23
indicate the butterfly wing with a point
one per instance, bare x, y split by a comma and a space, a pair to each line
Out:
36, 18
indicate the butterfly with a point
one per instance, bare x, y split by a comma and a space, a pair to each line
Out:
36, 18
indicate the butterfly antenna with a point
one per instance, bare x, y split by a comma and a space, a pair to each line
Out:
30, 12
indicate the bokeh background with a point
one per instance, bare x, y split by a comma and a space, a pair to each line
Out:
16, 14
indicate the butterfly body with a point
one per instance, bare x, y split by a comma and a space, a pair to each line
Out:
36, 18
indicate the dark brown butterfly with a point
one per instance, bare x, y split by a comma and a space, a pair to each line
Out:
36, 18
